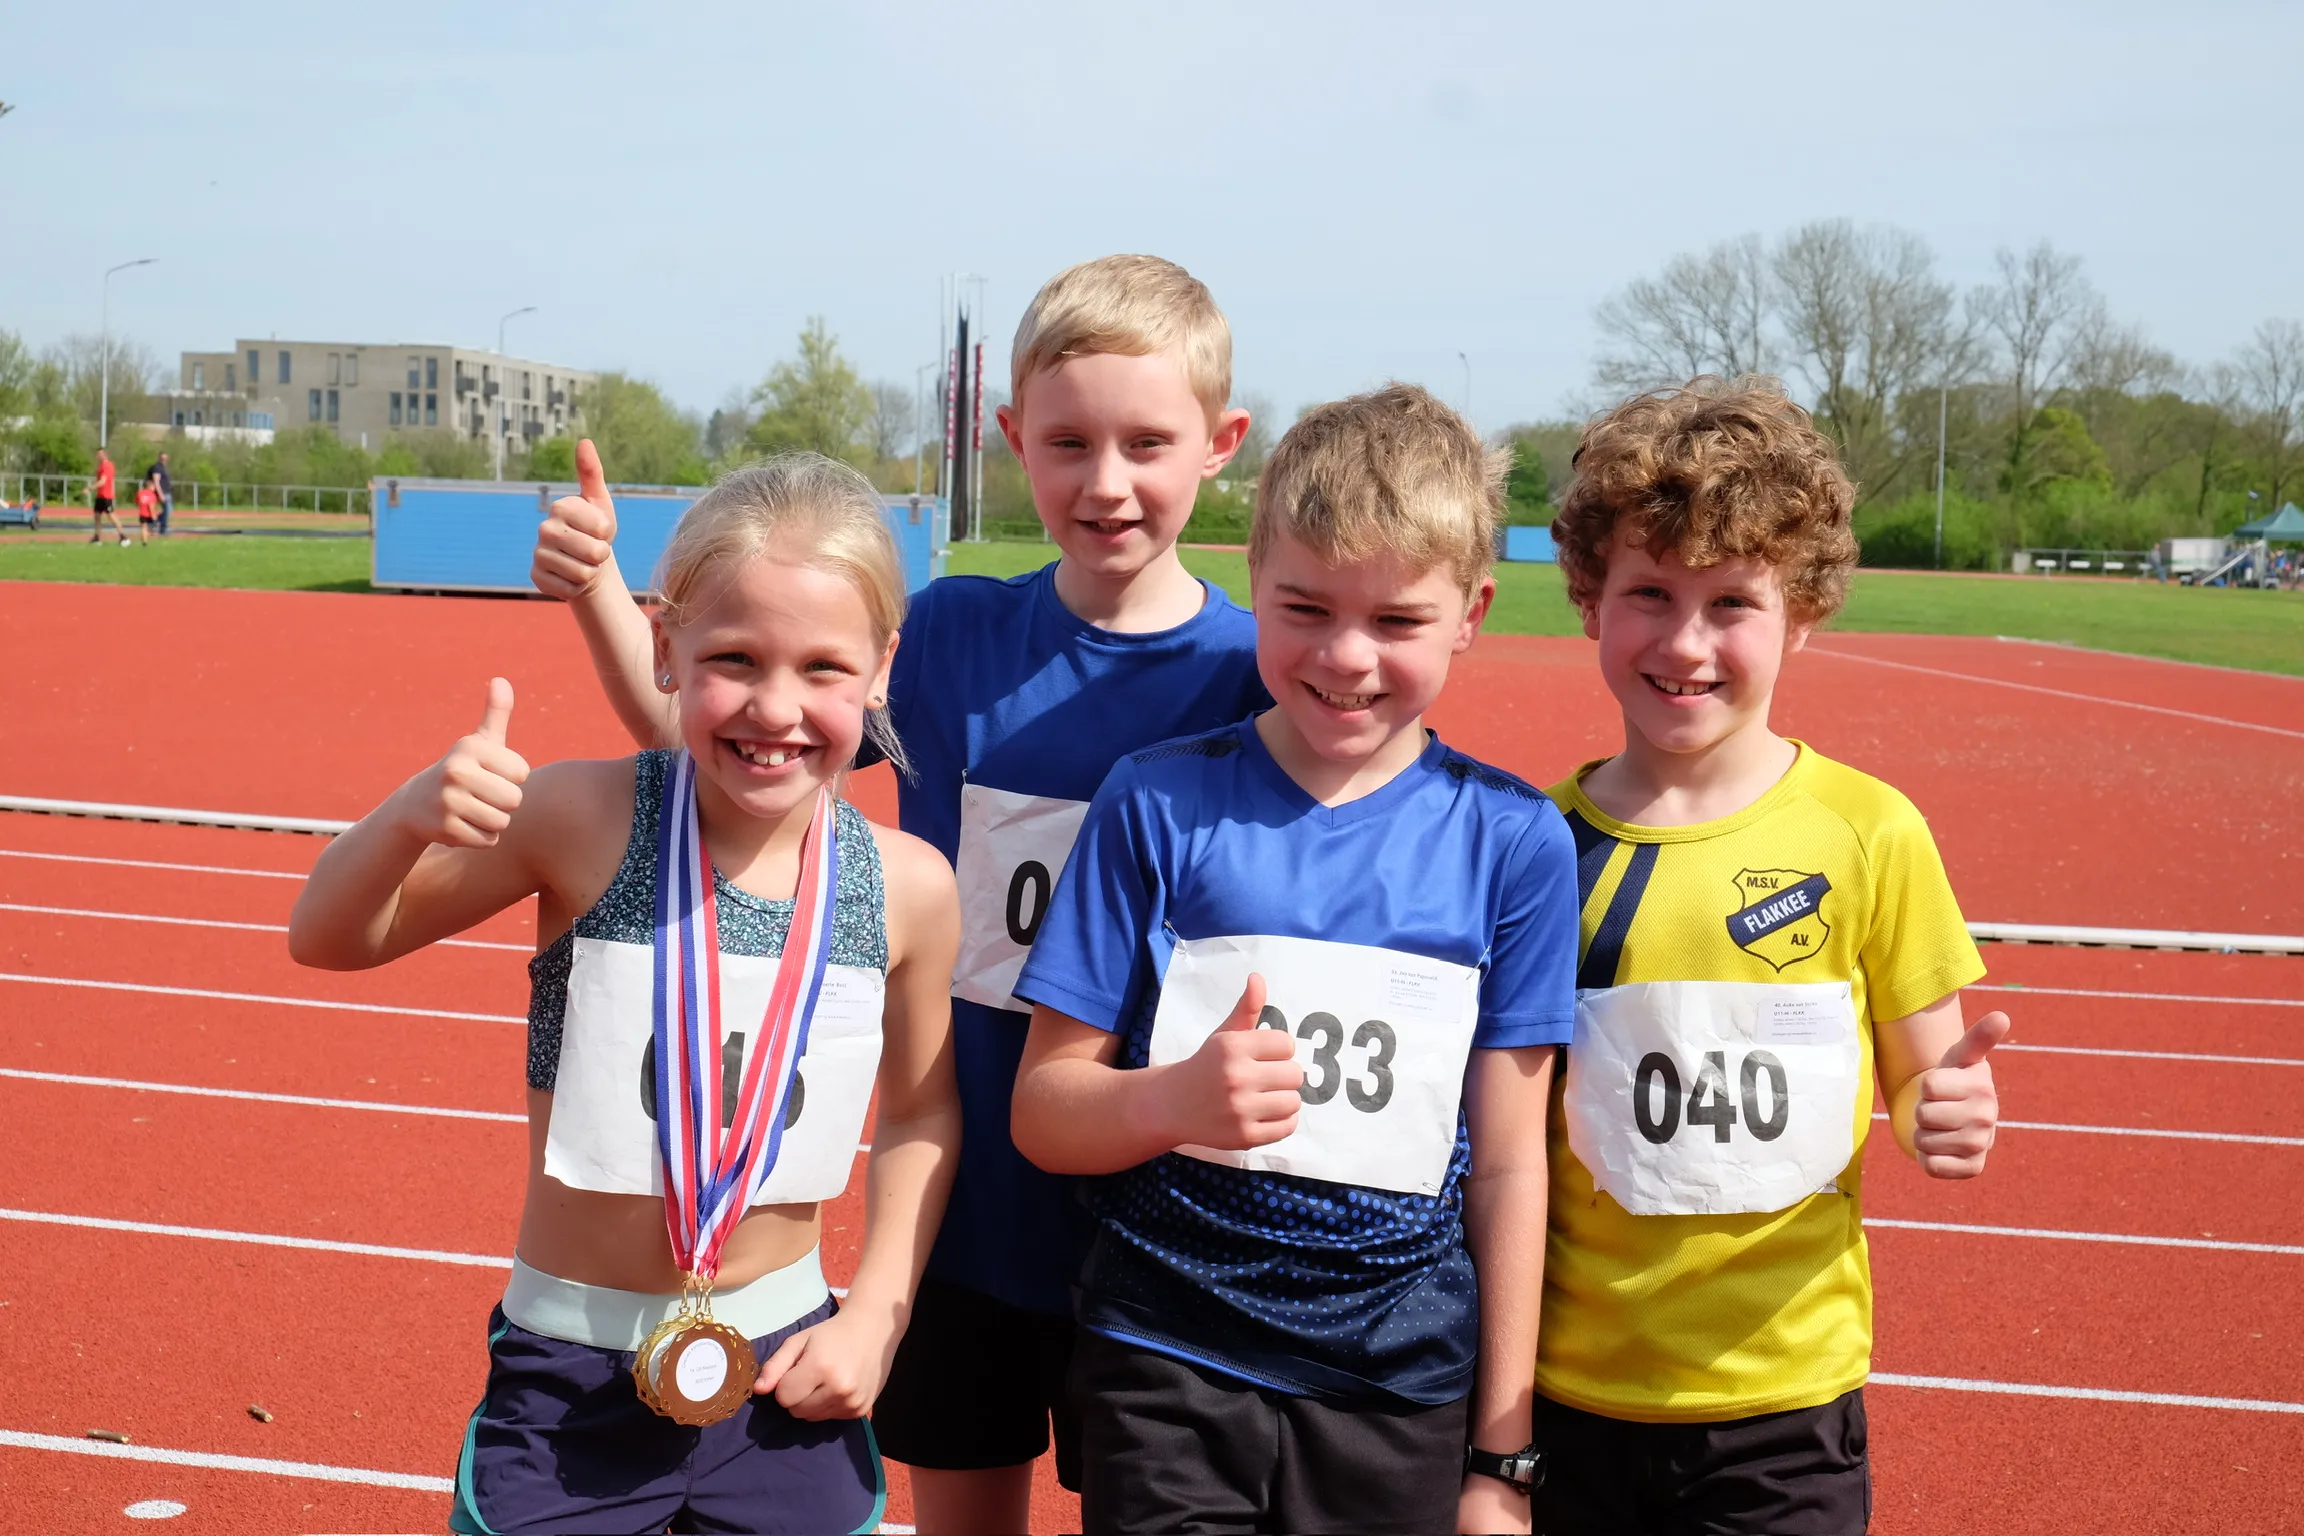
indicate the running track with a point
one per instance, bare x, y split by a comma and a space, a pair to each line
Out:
334, 1261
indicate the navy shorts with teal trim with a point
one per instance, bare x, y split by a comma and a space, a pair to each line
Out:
562, 1443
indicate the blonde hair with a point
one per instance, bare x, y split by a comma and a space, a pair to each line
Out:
1132, 306
1391, 472
1714, 470
822, 511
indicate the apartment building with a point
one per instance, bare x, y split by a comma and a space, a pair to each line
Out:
366, 392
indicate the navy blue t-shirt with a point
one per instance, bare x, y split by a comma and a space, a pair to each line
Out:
1012, 710
1396, 933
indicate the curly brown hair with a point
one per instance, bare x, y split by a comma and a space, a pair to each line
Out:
1714, 470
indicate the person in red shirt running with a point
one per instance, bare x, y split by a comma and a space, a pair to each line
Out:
100, 503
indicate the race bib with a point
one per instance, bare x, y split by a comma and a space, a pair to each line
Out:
1712, 1098
1382, 1036
603, 1131
1012, 848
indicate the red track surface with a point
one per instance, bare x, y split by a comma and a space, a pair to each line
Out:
2049, 808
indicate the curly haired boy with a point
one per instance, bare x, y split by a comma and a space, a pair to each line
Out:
1766, 935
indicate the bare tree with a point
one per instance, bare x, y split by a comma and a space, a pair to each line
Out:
79, 361
1866, 321
894, 419
1703, 314
2269, 375
1256, 447
2036, 311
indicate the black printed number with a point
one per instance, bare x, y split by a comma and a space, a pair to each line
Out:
731, 1079
1030, 883
1326, 1031
1656, 1097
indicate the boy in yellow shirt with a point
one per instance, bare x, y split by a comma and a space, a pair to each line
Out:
1766, 935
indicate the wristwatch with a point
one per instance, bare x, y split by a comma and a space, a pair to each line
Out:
1523, 1469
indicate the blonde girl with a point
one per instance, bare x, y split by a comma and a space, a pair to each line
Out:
782, 595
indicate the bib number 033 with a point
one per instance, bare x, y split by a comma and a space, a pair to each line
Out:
1326, 1073
1656, 1100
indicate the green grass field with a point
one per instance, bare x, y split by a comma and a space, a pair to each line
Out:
2263, 631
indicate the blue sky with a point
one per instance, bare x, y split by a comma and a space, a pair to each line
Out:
1369, 189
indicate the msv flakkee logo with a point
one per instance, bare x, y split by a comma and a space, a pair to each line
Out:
1781, 918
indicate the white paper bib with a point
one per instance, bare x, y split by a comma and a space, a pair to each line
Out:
603, 1131
1012, 848
1382, 1036
1711, 1098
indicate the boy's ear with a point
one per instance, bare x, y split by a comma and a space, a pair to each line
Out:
1230, 432
1796, 635
1591, 613
1475, 614
1011, 428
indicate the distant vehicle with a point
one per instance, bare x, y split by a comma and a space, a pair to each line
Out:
2185, 559
25, 516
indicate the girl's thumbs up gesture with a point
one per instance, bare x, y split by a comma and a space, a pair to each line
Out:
466, 799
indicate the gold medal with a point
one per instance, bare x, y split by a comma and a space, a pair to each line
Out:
692, 1368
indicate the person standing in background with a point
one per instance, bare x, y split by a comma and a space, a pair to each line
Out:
165, 484
100, 502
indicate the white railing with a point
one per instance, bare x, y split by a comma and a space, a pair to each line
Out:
64, 492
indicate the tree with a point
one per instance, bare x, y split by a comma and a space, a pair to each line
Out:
1866, 321
1527, 493
642, 437
814, 401
1704, 314
2270, 374
895, 420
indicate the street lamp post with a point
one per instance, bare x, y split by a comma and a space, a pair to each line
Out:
497, 432
104, 388
920, 421
1943, 409
1467, 362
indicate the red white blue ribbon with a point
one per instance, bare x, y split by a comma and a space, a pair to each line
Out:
713, 1172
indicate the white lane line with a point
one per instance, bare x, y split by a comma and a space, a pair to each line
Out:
2061, 693
214, 922
259, 1239
2092, 1050
191, 869
2093, 1394
259, 997
210, 1459
2148, 997
2145, 1130
377, 1105
104, 808
2062, 1235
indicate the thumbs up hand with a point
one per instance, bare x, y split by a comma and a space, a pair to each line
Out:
1241, 1089
467, 798
575, 545
1959, 1107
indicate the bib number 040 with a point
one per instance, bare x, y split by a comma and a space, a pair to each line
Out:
1657, 1100
1326, 1031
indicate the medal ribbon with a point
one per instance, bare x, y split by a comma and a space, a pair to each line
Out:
712, 1172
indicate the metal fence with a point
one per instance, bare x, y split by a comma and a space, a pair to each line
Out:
2111, 562
67, 491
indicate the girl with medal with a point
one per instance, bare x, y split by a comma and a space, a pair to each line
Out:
733, 965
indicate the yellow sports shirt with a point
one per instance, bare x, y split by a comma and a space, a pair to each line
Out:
1721, 1085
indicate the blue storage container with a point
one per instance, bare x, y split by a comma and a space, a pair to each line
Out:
479, 535
1528, 544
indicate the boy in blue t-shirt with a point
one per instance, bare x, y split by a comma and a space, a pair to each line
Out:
1296, 1000
1012, 700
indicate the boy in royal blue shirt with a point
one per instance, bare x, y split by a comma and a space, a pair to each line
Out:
1297, 998
1012, 700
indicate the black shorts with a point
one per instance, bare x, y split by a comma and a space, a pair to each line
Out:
99, 505
977, 1384
1168, 1446
1799, 1473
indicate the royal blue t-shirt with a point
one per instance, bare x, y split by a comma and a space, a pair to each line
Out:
1396, 933
1012, 710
